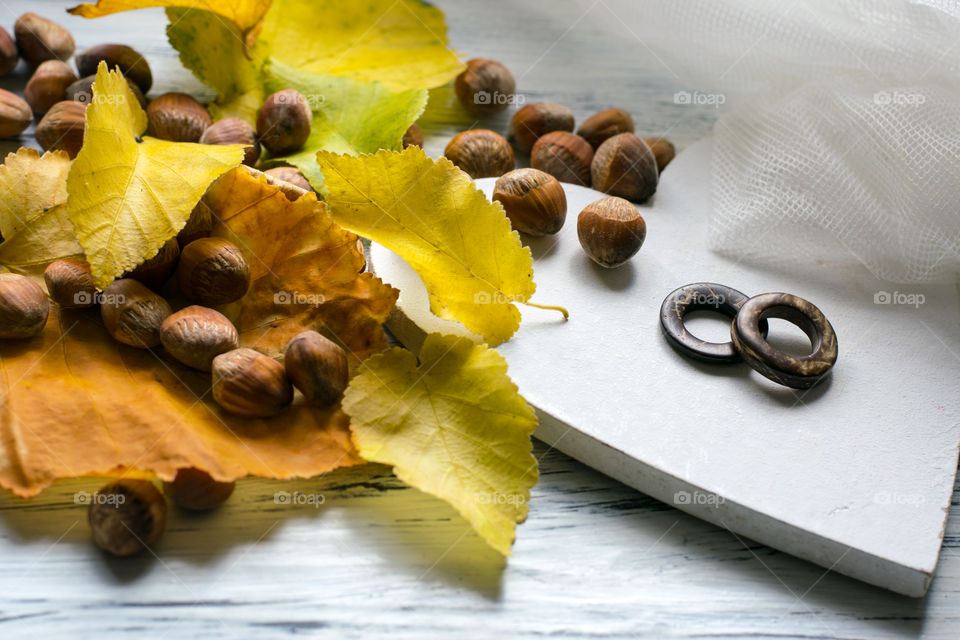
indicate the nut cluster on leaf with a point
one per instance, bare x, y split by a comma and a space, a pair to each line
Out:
533, 200
23, 307
127, 516
250, 384
481, 153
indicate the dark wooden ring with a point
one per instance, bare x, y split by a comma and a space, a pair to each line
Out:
799, 372
701, 296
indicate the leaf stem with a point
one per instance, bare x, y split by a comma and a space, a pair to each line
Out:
549, 307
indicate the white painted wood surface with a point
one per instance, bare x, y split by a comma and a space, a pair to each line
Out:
595, 559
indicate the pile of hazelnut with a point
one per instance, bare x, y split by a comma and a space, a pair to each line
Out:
604, 154
58, 96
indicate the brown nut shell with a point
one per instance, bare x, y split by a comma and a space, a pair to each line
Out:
663, 151
318, 367
127, 516
62, 127
249, 384
132, 65
196, 335
611, 231
48, 85
213, 271
234, 131
15, 114
413, 137
533, 200
40, 39
603, 125
291, 175
625, 166
24, 307
70, 284
537, 119
481, 153
155, 271
564, 155
485, 87
177, 117
82, 91
9, 55
284, 121
132, 313
196, 490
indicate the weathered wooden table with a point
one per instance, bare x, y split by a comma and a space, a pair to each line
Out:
368, 557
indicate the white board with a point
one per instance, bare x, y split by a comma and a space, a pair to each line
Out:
855, 475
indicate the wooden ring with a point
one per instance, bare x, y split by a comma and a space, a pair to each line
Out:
799, 372
701, 296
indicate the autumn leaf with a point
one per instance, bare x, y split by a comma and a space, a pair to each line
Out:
433, 216
348, 116
33, 214
454, 427
129, 194
305, 271
77, 403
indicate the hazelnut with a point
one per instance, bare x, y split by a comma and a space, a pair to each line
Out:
605, 124
132, 65
317, 367
127, 516
234, 131
62, 127
283, 123
611, 231
70, 284
82, 91
154, 271
481, 153
199, 225
413, 136
40, 39
663, 151
9, 56
291, 175
537, 119
249, 384
177, 117
212, 271
195, 490
132, 313
48, 85
564, 155
24, 307
15, 114
624, 166
485, 87
533, 200
196, 335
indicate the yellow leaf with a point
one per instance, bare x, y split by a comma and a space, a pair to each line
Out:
305, 271
454, 427
129, 194
33, 212
246, 14
432, 215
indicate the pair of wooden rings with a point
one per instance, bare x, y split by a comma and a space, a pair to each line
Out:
748, 332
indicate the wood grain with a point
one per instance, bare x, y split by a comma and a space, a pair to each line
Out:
376, 559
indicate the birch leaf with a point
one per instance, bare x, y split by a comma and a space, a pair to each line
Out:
454, 427
129, 194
